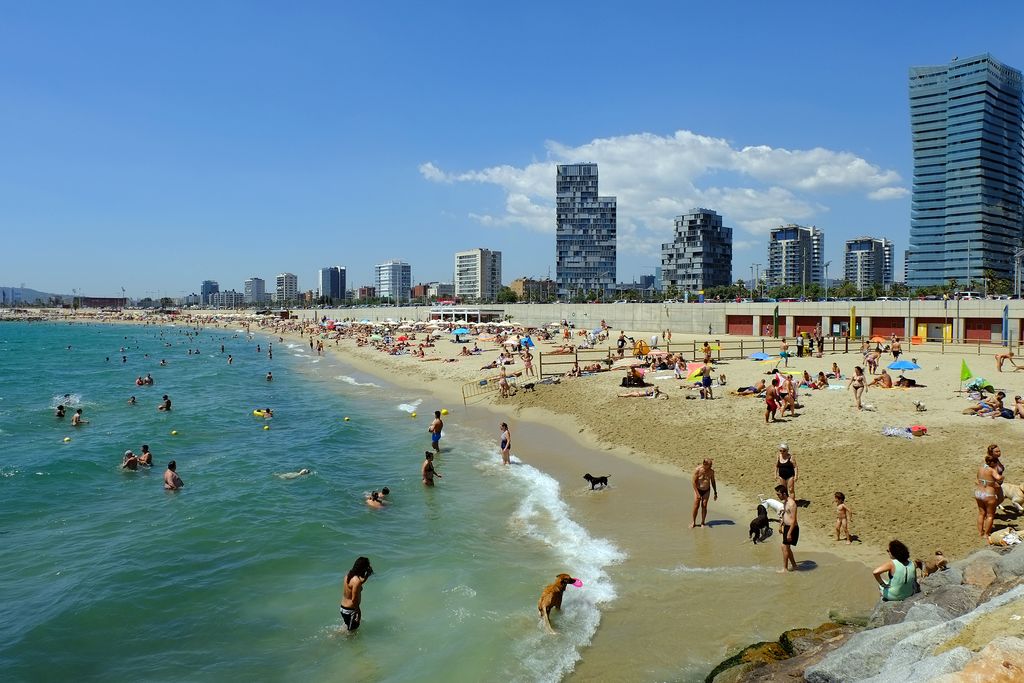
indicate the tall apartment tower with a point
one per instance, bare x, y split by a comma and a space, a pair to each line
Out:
287, 287
585, 231
393, 281
331, 283
796, 255
255, 290
478, 274
700, 255
966, 214
207, 289
867, 261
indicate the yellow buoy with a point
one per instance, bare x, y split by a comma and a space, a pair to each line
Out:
265, 427
67, 439
412, 415
346, 419
444, 411
174, 432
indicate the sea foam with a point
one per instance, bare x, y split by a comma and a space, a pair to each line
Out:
354, 382
544, 516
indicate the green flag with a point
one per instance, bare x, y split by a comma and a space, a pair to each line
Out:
965, 372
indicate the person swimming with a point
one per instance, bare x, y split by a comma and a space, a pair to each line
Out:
60, 411
293, 475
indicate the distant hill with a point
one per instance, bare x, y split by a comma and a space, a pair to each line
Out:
10, 296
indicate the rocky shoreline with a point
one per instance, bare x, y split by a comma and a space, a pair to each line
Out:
966, 624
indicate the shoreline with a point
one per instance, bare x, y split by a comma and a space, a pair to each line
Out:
650, 533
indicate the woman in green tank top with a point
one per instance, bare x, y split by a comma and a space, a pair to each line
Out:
902, 573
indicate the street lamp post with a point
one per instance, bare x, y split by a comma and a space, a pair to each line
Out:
827, 264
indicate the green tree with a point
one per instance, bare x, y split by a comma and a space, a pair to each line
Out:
507, 296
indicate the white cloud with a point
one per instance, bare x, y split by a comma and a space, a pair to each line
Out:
656, 178
885, 193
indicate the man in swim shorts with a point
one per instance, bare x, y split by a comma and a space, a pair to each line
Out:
703, 484
435, 431
790, 529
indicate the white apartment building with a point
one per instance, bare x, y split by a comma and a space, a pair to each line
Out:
287, 287
477, 274
796, 255
393, 281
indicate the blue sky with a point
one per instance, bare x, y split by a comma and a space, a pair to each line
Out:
153, 146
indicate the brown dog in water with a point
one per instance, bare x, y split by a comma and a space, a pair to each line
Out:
552, 598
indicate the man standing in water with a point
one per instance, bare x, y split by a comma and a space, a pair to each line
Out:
427, 470
172, 482
435, 431
790, 529
352, 593
703, 484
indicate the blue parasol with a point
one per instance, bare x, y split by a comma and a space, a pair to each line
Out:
759, 356
460, 330
904, 365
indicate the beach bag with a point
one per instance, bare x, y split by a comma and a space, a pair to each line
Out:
918, 430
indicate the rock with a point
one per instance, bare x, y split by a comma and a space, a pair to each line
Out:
925, 669
952, 576
955, 600
1001, 661
886, 613
1000, 586
863, 655
1012, 563
800, 641
750, 658
926, 611
981, 569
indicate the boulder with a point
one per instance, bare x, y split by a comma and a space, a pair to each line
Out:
1001, 661
863, 655
1012, 563
925, 669
952, 576
955, 600
1000, 586
926, 611
740, 665
980, 569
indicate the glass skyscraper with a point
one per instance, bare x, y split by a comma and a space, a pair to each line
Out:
966, 216
584, 233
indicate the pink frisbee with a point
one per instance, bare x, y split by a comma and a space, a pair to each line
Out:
578, 583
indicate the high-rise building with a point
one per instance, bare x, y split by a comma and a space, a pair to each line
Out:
441, 290
477, 274
207, 288
700, 255
868, 261
287, 288
796, 256
255, 290
331, 282
966, 214
585, 233
393, 280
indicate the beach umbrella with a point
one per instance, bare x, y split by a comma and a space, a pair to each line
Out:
878, 339
375, 337
405, 327
904, 365
403, 338
528, 341
658, 352
460, 330
627, 363
760, 355
364, 322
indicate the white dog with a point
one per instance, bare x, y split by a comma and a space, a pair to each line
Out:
919, 406
774, 505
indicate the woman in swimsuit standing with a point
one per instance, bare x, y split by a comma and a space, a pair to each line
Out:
785, 469
506, 444
857, 384
987, 492
994, 450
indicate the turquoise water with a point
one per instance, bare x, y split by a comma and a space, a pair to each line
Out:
106, 576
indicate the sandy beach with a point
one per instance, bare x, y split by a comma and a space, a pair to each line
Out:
918, 490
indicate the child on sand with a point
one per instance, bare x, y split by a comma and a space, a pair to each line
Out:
843, 514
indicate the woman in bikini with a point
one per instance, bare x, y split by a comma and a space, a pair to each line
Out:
836, 373
858, 385
785, 469
987, 492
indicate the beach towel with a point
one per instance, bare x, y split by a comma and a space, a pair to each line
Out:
897, 431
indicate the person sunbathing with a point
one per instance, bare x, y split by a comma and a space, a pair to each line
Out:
574, 372
563, 349
883, 380
465, 352
752, 390
593, 367
649, 393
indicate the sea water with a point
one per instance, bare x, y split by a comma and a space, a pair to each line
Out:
238, 576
